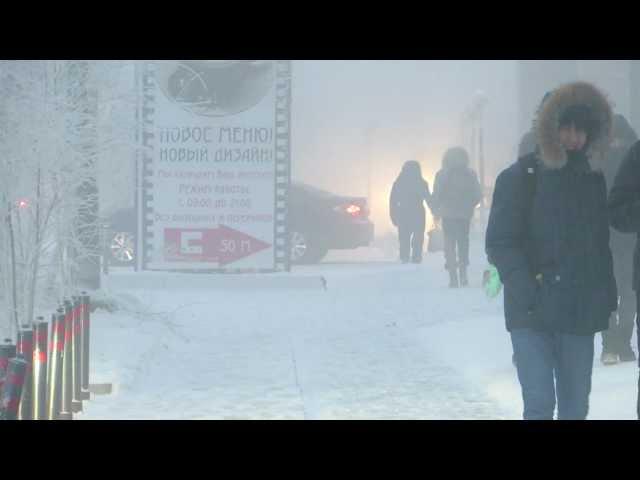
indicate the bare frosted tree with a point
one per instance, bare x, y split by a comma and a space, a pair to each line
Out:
56, 122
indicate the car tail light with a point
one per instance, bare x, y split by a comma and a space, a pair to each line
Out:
353, 209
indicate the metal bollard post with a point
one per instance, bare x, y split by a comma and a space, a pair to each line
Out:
66, 412
76, 354
56, 349
12, 390
86, 312
24, 348
40, 370
7, 352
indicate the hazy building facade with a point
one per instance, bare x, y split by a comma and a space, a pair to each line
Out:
618, 79
535, 78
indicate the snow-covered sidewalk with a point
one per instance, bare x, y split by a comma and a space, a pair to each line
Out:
383, 341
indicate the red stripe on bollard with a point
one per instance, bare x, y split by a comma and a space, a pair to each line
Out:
76, 353
54, 391
39, 357
15, 378
86, 323
68, 328
67, 362
39, 384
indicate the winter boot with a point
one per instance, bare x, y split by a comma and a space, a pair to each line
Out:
464, 281
609, 358
627, 354
453, 278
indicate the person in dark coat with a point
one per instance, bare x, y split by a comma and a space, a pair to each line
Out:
624, 211
616, 342
456, 194
548, 236
406, 207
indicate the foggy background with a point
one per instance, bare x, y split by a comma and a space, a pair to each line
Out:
355, 123
351, 117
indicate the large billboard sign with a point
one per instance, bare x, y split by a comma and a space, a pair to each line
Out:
214, 165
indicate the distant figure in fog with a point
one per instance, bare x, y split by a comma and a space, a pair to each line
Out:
406, 207
616, 342
456, 193
624, 210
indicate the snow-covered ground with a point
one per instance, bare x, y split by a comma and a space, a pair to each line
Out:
381, 341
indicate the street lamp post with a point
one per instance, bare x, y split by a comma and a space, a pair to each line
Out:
368, 137
479, 102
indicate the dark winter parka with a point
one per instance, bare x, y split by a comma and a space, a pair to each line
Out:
527, 144
624, 214
408, 194
622, 244
624, 203
456, 190
551, 247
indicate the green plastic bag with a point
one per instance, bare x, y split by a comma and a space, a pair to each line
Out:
491, 282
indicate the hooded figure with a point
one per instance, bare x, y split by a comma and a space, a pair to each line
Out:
624, 208
456, 193
406, 207
548, 236
616, 342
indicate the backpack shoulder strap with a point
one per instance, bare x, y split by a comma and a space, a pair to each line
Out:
529, 166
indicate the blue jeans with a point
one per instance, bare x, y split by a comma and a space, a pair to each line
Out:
550, 366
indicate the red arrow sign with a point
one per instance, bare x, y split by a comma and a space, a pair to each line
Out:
221, 245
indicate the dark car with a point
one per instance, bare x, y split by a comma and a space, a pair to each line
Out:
319, 221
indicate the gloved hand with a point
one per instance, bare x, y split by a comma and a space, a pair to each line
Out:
491, 282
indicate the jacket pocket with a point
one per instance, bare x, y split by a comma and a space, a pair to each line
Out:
556, 308
521, 293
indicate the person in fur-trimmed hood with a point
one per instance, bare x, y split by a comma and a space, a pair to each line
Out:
456, 193
548, 236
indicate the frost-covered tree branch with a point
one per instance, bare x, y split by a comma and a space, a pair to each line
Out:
57, 120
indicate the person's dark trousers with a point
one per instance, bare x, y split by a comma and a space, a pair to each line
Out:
543, 358
638, 335
456, 242
618, 338
411, 243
